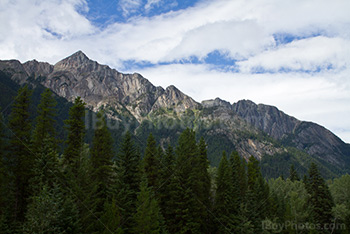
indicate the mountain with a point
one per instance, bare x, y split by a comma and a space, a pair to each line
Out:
263, 131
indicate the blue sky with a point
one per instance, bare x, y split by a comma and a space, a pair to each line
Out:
293, 54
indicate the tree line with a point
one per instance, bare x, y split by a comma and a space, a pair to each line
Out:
172, 189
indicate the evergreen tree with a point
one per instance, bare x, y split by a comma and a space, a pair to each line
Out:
293, 175
48, 213
223, 206
253, 171
189, 207
44, 146
128, 181
101, 173
258, 201
3, 182
45, 122
203, 186
76, 134
168, 190
320, 200
110, 220
238, 180
46, 167
152, 162
2, 168
20, 159
101, 157
147, 218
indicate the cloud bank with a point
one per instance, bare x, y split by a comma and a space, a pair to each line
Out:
293, 54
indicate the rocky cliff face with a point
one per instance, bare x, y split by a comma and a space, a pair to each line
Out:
246, 125
314, 139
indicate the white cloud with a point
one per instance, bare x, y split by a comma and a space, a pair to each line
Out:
321, 98
309, 54
52, 29
130, 6
151, 3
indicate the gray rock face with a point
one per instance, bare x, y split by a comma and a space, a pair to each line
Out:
101, 87
15, 69
217, 102
314, 139
267, 118
175, 99
35, 68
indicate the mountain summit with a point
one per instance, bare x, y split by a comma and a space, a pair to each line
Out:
259, 130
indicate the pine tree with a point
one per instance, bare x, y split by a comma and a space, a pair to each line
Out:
293, 175
2, 168
101, 157
20, 158
168, 190
128, 181
49, 213
320, 200
3, 182
101, 173
46, 167
76, 134
238, 179
147, 218
45, 122
258, 201
110, 220
253, 171
223, 205
203, 186
152, 162
188, 210
44, 146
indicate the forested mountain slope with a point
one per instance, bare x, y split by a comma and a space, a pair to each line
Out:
136, 104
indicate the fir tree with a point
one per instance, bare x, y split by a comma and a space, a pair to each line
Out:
187, 197
45, 169
147, 218
48, 213
258, 201
76, 134
3, 182
168, 190
128, 181
110, 220
223, 205
203, 186
320, 200
45, 122
293, 175
152, 163
101, 173
20, 158
101, 157
238, 179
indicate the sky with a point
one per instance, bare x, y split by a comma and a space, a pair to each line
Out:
292, 54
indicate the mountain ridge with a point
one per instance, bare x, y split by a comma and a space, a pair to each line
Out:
102, 87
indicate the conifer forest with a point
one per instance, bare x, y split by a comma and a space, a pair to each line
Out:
54, 183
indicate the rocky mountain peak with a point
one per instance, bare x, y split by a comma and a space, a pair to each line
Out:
35, 68
75, 61
175, 99
267, 118
217, 102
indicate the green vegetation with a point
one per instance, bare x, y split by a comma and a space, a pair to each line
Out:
112, 187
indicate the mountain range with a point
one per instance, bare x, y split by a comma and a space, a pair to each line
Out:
263, 131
